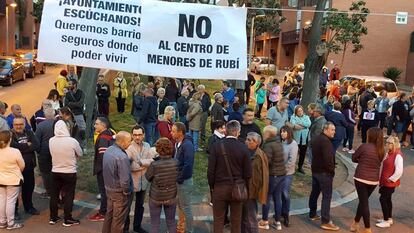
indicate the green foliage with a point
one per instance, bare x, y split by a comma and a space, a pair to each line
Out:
347, 29
37, 10
21, 7
392, 73
270, 23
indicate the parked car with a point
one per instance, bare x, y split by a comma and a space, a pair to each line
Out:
260, 64
11, 70
379, 83
31, 65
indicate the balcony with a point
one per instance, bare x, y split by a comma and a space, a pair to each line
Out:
306, 34
290, 37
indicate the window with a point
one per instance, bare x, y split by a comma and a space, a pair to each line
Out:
5, 64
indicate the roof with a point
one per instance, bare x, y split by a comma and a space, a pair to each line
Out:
370, 78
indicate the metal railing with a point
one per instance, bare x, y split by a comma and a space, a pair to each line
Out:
291, 37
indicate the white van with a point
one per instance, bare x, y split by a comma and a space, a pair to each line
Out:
379, 83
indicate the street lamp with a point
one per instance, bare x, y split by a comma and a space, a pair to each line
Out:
252, 34
13, 5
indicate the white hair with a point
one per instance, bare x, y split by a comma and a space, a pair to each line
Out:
161, 89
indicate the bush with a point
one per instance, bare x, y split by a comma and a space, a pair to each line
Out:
392, 73
268, 72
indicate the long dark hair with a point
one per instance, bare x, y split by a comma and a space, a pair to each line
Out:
289, 132
376, 137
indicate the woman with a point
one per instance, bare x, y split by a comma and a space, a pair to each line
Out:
353, 90
382, 105
269, 87
301, 124
172, 92
347, 110
392, 170
11, 167
120, 91
369, 119
61, 83
162, 102
162, 174
194, 113
274, 93
401, 115
54, 99
165, 126
260, 99
134, 84
290, 149
66, 115
368, 156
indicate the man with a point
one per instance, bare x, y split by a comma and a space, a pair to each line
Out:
323, 172
228, 93
74, 99
218, 134
44, 132
25, 141
39, 115
278, 115
71, 74
318, 121
217, 113
248, 124
338, 119
3, 122
103, 141
118, 183
141, 157
258, 183
182, 106
148, 117
219, 179
335, 73
65, 151
184, 153
248, 84
205, 105
103, 92
16, 111
367, 95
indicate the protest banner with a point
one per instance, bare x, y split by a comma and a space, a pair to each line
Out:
156, 38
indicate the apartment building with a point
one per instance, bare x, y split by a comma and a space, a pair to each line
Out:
387, 44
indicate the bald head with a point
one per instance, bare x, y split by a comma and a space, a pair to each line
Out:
123, 139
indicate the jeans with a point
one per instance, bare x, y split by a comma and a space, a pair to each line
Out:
150, 133
336, 143
203, 123
28, 188
183, 120
364, 192
286, 195
309, 154
155, 212
102, 191
249, 219
118, 210
62, 182
184, 202
276, 184
47, 181
321, 182
386, 201
349, 137
194, 135
8, 197
221, 201
138, 212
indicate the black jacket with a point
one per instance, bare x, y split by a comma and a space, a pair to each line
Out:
239, 159
44, 132
20, 142
245, 129
137, 105
184, 154
38, 117
171, 93
182, 106
163, 174
211, 141
323, 155
365, 97
75, 101
103, 92
217, 112
249, 82
400, 109
205, 102
149, 110
104, 140
162, 105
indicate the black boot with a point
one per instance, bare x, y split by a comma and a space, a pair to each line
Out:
286, 220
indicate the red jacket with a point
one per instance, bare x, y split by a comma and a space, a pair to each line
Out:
335, 91
335, 74
388, 169
165, 128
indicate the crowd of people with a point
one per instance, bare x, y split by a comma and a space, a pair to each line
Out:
247, 165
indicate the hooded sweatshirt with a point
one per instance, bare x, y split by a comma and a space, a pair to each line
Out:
64, 150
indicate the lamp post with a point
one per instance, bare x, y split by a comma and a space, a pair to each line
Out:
252, 35
13, 5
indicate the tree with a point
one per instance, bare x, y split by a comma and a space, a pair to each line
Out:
313, 62
270, 23
346, 29
37, 10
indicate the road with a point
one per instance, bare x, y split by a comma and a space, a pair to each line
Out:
30, 93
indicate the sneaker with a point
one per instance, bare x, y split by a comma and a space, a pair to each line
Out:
383, 224
389, 220
98, 217
330, 227
53, 221
351, 152
98, 197
3, 225
33, 211
70, 222
315, 218
264, 225
15, 226
278, 226
345, 149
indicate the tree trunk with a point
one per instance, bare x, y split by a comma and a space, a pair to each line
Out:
313, 62
87, 84
269, 48
343, 55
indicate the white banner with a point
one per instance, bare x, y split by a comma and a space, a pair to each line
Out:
156, 38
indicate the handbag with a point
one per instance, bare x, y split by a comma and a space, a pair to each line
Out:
239, 190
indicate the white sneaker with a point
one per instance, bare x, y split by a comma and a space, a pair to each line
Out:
345, 149
382, 220
278, 226
384, 224
264, 225
351, 152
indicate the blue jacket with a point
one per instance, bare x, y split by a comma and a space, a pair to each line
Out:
185, 156
236, 116
229, 96
149, 110
382, 106
10, 119
117, 170
338, 119
291, 107
301, 135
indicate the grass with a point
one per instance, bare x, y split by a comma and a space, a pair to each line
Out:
300, 186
